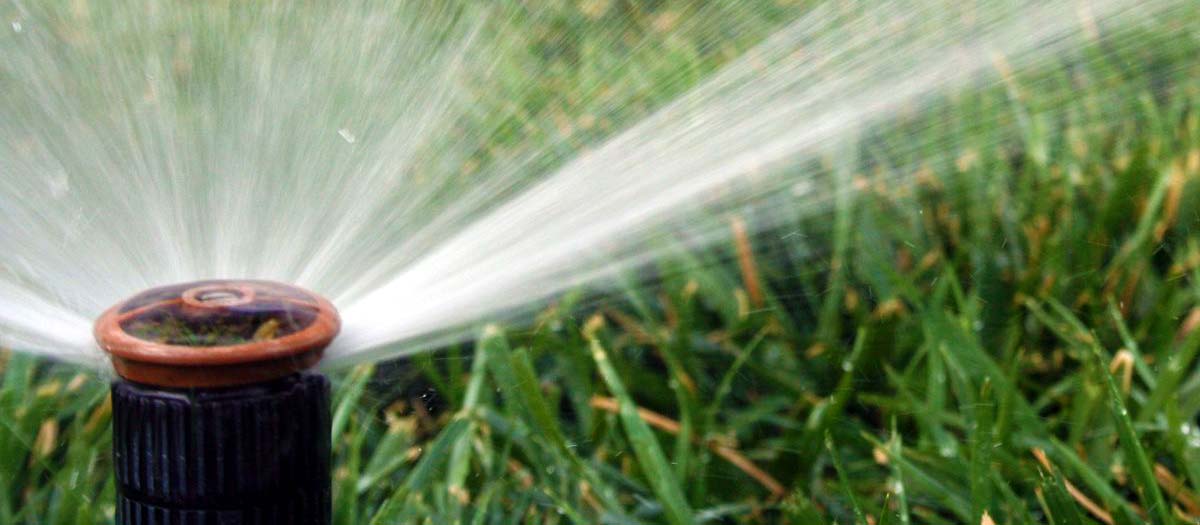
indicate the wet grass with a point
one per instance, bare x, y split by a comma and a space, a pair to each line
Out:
997, 325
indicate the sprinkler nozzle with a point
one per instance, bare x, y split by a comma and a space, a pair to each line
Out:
216, 333
216, 417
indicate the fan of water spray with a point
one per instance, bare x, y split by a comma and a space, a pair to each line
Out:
336, 148
144, 145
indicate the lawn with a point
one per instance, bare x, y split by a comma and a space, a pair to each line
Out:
992, 319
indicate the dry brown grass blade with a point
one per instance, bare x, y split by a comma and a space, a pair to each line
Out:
1122, 364
1074, 491
631, 326
746, 262
1177, 491
1189, 324
727, 453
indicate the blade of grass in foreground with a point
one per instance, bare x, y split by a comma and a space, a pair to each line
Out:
860, 518
1057, 503
513, 372
981, 453
650, 456
422, 474
348, 401
460, 455
1147, 485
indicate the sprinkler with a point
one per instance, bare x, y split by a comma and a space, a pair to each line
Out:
217, 418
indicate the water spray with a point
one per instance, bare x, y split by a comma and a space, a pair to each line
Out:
217, 417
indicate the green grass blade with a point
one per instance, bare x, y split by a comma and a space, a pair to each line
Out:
860, 517
1057, 503
349, 396
646, 447
981, 453
1143, 475
460, 455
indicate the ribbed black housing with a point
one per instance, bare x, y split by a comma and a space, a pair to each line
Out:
253, 455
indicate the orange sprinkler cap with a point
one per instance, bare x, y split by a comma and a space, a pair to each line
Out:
216, 333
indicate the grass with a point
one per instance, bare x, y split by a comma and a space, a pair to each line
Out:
997, 326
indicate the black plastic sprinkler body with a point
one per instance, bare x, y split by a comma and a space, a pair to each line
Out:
217, 419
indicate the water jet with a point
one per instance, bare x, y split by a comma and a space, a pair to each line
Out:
217, 415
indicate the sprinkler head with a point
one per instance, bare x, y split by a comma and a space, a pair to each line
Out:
216, 333
216, 417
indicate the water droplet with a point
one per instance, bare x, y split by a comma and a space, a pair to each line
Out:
58, 183
16, 25
347, 135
